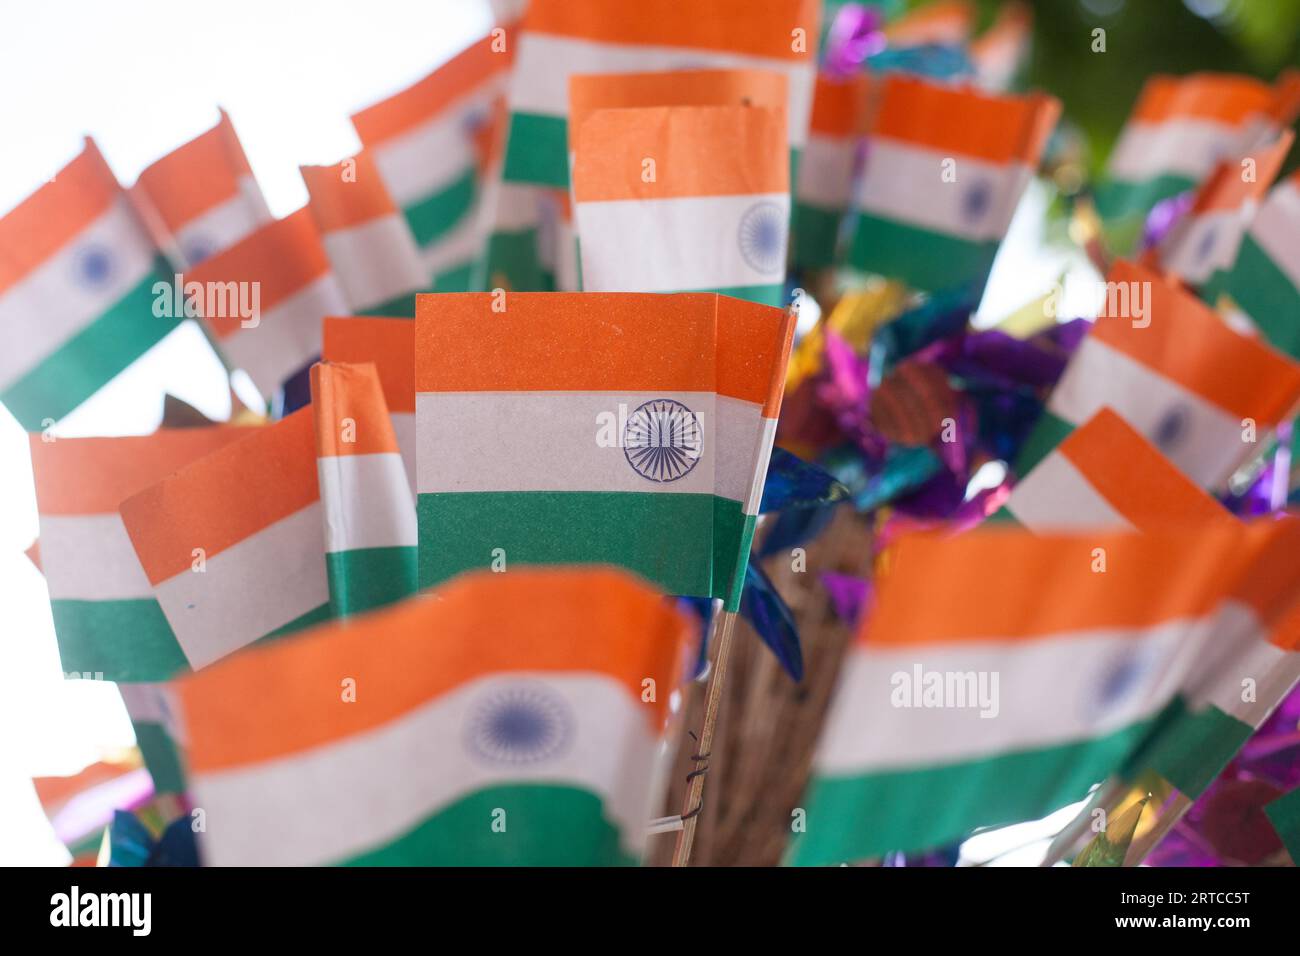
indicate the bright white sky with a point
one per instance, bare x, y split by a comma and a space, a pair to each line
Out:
142, 77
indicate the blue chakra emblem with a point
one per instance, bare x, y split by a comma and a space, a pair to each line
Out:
663, 440
1206, 245
524, 723
976, 200
1125, 677
93, 266
198, 248
1171, 428
762, 237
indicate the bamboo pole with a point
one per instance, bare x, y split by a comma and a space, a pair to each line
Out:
724, 623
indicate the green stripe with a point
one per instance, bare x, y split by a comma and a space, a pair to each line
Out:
456, 279
512, 263
1049, 431
369, 577
1190, 748
925, 260
437, 214
1118, 198
773, 295
1002, 516
126, 641
814, 233
91, 358
316, 615
400, 307
1264, 292
537, 150
161, 757
855, 818
545, 825
674, 540
1284, 814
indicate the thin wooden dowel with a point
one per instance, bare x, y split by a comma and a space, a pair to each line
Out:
724, 626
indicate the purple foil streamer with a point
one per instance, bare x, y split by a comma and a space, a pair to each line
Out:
855, 34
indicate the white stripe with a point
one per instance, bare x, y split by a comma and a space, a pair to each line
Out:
90, 558
544, 63
288, 336
224, 224
1227, 664
1055, 496
429, 158
455, 248
1178, 147
367, 502
356, 794
673, 245
1276, 230
552, 441
909, 184
250, 589
376, 260
404, 429
55, 301
1202, 244
737, 437
826, 172
1050, 691
545, 441
1208, 447
153, 704
510, 207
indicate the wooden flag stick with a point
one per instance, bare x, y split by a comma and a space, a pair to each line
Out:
1171, 813
724, 625
1105, 796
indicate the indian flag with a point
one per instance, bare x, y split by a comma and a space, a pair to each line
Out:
823, 191
1180, 128
1264, 281
369, 243
423, 142
559, 38
1238, 679
596, 428
283, 269
1105, 475
388, 344
77, 291
1207, 238
998, 53
945, 169
106, 618
538, 747
1204, 395
201, 198
511, 217
234, 544
157, 734
683, 198
587, 94
370, 535
975, 697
